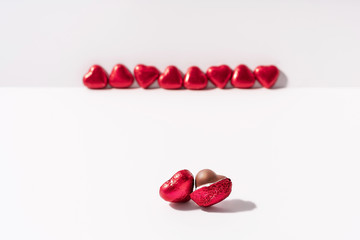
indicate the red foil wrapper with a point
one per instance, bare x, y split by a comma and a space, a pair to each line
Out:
195, 79
95, 78
171, 78
210, 195
145, 75
267, 75
120, 77
219, 75
178, 188
243, 77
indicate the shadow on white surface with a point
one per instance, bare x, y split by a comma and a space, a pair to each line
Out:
210, 85
135, 85
227, 206
281, 82
256, 85
188, 206
231, 206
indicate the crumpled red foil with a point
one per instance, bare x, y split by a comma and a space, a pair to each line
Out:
210, 195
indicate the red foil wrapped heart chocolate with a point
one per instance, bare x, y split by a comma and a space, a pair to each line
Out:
146, 75
219, 75
95, 78
121, 77
267, 75
242, 77
195, 79
178, 187
210, 188
171, 78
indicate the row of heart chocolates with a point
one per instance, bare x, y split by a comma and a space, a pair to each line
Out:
172, 78
210, 188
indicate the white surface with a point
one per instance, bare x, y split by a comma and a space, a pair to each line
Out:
81, 164
47, 43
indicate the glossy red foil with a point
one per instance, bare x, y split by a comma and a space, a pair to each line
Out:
95, 78
178, 187
195, 79
267, 75
243, 77
210, 195
120, 77
145, 75
219, 75
171, 78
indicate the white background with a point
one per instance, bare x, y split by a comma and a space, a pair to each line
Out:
82, 164
47, 43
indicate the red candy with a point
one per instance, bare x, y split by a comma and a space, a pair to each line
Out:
267, 75
195, 79
242, 77
120, 77
178, 187
210, 195
95, 78
171, 78
210, 188
219, 75
146, 75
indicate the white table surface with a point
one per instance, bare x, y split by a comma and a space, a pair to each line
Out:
82, 164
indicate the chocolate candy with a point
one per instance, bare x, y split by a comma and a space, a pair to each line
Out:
95, 78
195, 79
145, 75
171, 78
206, 176
219, 75
121, 77
178, 187
267, 75
243, 77
210, 188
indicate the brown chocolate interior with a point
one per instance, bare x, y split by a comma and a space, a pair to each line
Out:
206, 176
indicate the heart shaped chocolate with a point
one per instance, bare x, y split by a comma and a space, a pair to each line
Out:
267, 75
210, 188
219, 75
95, 78
178, 187
171, 78
145, 75
195, 79
121, 77
242, 77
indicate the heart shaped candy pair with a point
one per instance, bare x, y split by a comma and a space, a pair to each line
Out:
210, 188
171, 78
97, 78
